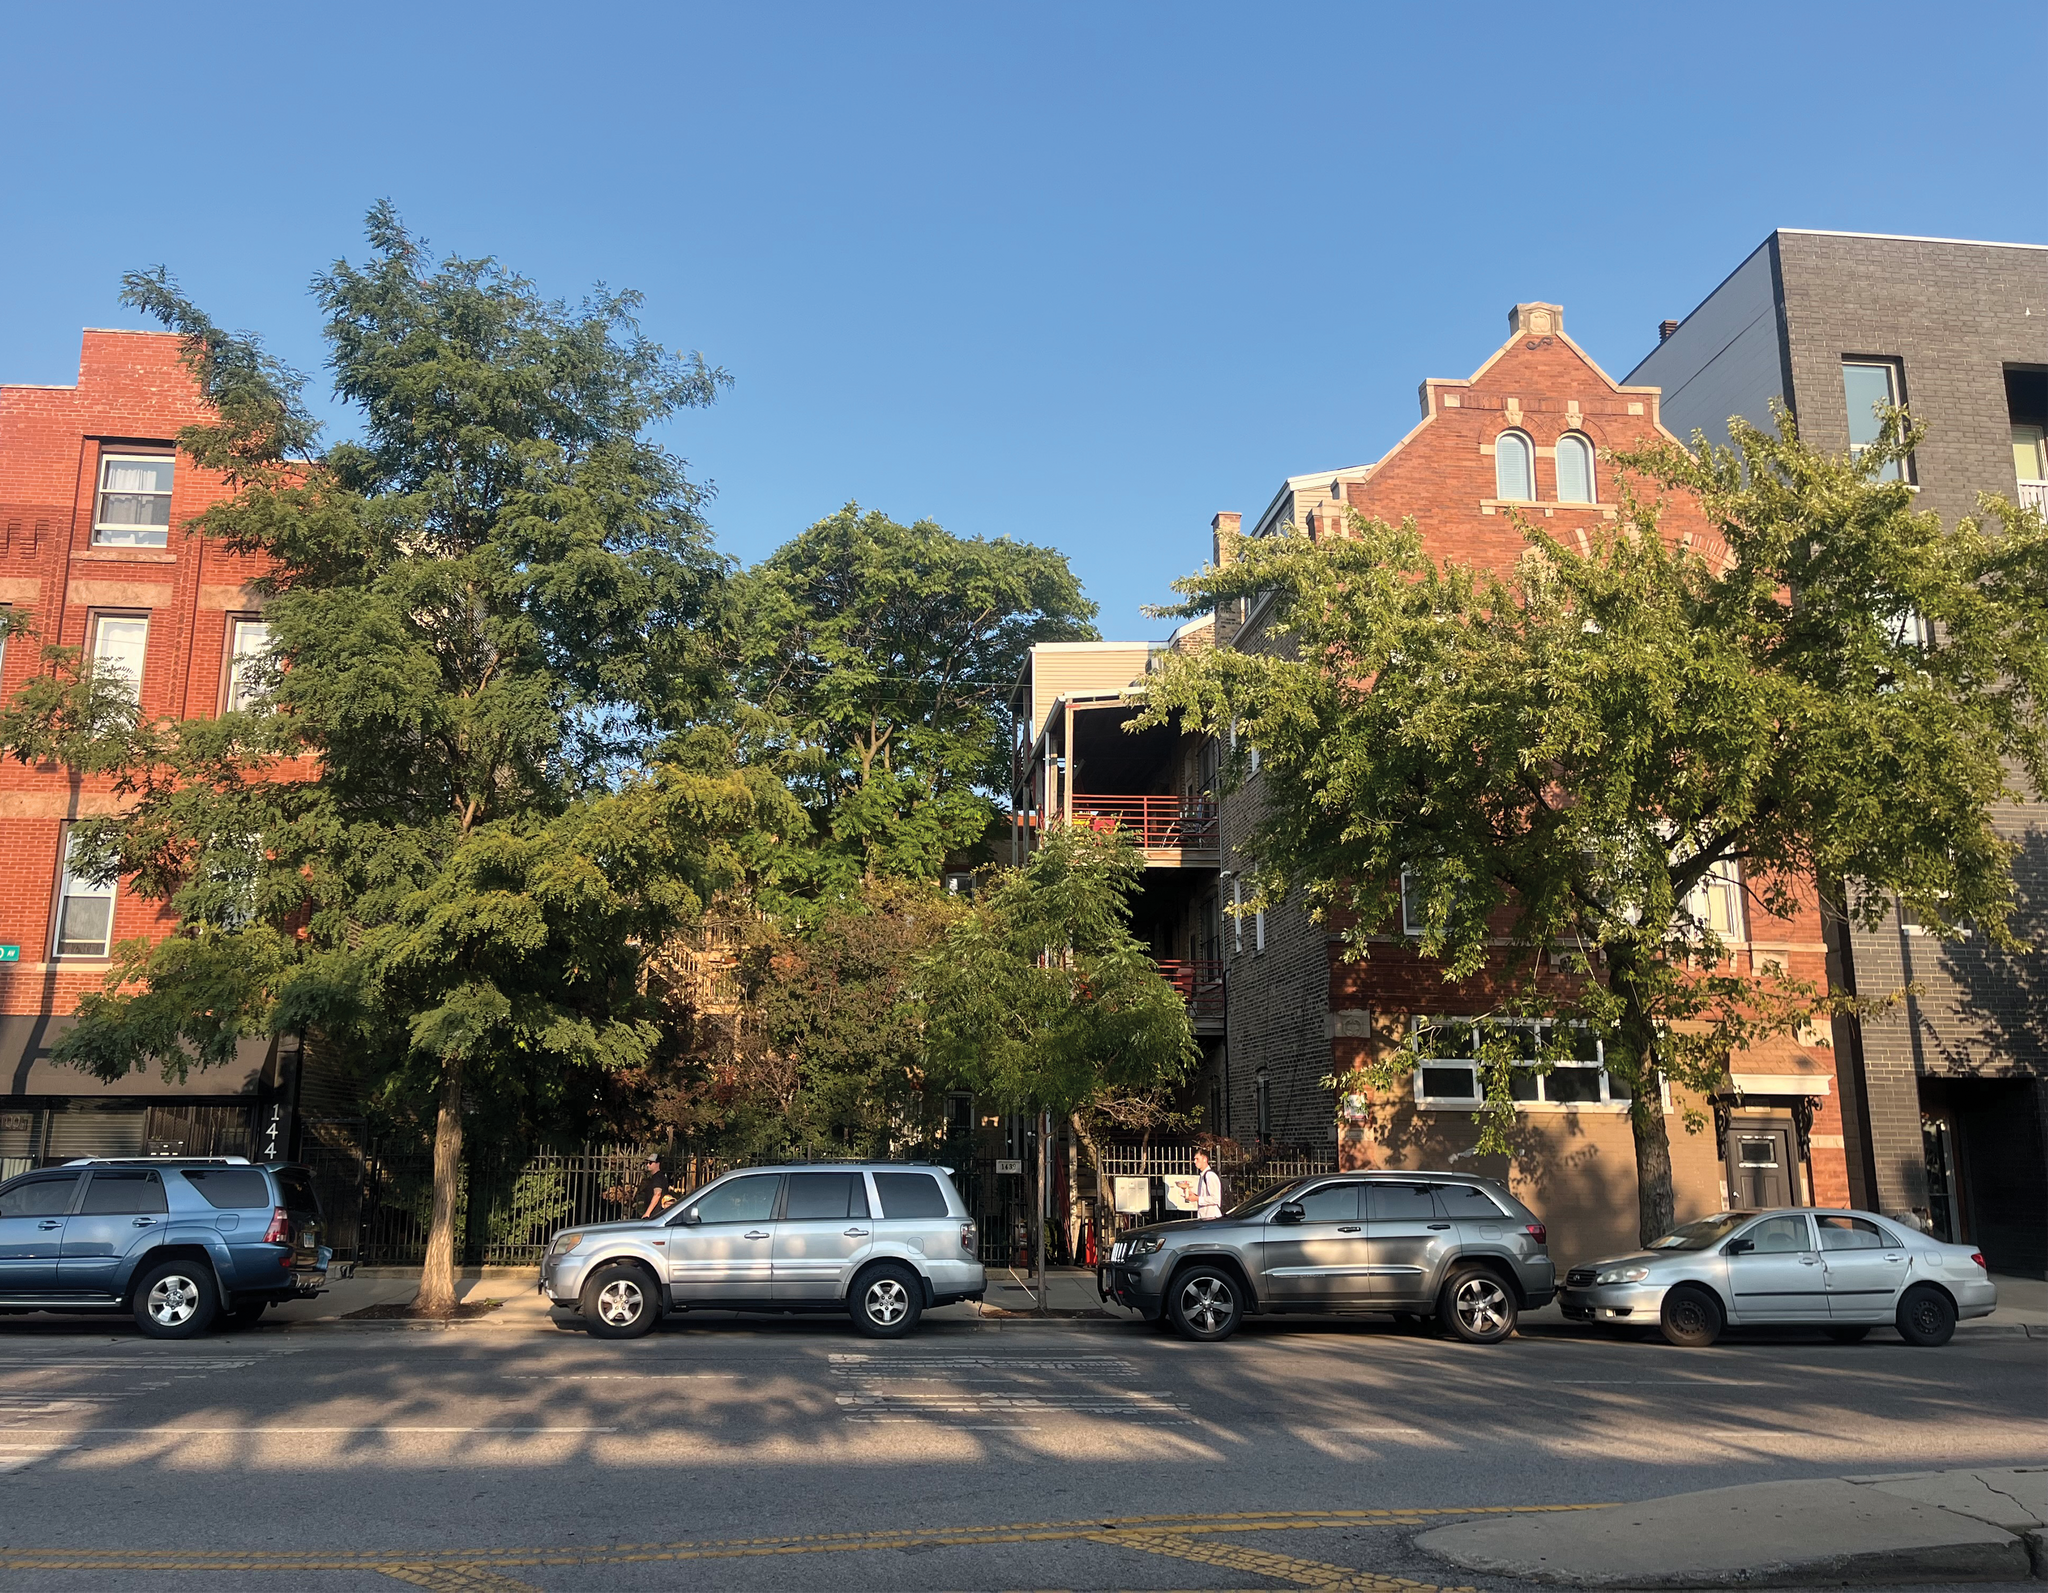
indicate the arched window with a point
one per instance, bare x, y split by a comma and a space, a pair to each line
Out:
1514, 480
1574, 469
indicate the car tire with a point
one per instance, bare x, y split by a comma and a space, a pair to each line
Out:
1477, 1305
886, 1301
1691, 1318
1846, 1334
245, 1313
175, 1299
1206, 1304
1927, 1317
620, 1302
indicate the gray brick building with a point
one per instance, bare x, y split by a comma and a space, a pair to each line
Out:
1945, 1106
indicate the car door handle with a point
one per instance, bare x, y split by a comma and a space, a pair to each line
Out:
47, 1226
1809, 1261
1438, 1227
1349, 1228
756, 1233
1894, 1260
145, 1222
856, 1233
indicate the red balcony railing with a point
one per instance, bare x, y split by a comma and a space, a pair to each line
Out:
1200, 985
1153, 822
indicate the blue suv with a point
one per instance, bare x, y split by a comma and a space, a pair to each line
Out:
175, 1240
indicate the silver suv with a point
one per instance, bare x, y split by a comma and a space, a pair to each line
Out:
881, 1241
1449, 1245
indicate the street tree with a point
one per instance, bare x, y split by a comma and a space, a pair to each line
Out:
1573, 746
873, 662
466, 795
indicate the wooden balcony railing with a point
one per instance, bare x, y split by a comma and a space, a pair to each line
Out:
2034, 495
1154, 823
1200, 985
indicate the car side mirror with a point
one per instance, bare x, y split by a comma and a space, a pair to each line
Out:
1738, 1247
687, 1218
1290, 1211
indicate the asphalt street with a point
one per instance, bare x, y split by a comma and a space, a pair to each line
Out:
724, 1453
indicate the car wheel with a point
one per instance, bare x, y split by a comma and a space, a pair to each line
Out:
1846, 1334
619, 1302
1205, 1303
245, 1313
1926, 1317
176, 1300
887, 1302
1692, 1318
1477, 1306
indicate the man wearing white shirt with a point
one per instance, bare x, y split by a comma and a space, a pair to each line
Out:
1208, 1190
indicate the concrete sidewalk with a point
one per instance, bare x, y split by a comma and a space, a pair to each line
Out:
1932, 1526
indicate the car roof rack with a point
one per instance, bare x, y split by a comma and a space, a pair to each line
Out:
206, 1161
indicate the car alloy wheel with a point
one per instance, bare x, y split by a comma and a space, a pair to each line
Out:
620, 1302
1482, 1306
887, 1301
1206, 1305
173, 1300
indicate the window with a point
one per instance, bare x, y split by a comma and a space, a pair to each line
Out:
1465, 1203
247, 640
1447, 1070
1262, 1102
1854, 1233
121, 1194
1236, 920
1715, 904
1259, 930
1870, 386
815, 1196
119, 643
135, 501
2029, 452
1411, 904
1779, 1236
1574, 469
1399, 1203
910, 1195
230, 1188
39, 1197
1514, 480
1330, 1203
749, 1199
85, 910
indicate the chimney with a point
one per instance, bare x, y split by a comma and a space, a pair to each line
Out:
1665, 329
1536, 320
1223, 534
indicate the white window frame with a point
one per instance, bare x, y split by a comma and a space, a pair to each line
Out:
101, 617
1412, 916
1236, 918
1258, 931
1528, 448
111, 892
1724, 879
1576, 440
234, 696
1469, 1065
118, 534
1895, 384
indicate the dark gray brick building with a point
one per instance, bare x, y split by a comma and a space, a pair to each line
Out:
1945, 1104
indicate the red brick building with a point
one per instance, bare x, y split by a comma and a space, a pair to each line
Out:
1530, 431
93, 501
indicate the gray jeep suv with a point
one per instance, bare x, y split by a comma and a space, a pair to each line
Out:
1449, 1245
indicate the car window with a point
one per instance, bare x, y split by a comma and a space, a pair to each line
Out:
749, 1199
122, 1193
296, 1185
910, 1195
230, 1188
1399, 1203
1464, 1201
39, 1197
1700, 1235
1257, 1205
1330, 1203
820, 1195
1853, 1233
1776, 1236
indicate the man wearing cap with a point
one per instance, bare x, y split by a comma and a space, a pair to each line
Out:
647, 1198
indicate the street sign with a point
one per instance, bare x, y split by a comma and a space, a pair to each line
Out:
1004, 1165
10, 954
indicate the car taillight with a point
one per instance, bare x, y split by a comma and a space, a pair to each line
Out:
1536, 1231
1979, 1259
280, 1230
968, 1237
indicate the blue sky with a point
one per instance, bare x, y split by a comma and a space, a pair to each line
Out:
1081, 275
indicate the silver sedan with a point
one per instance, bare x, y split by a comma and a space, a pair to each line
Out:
1841, 1271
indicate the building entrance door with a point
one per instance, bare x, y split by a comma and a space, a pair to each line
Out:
1761, 1171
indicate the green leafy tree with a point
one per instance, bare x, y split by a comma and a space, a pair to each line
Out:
875, 660
466, 798
1574, 745
1040, 997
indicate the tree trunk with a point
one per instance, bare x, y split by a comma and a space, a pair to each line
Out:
1105, 1194
1656, 1205
437, 1280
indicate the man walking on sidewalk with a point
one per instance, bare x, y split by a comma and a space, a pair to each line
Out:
1208, 1189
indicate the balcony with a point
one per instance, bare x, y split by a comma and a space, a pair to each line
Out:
1167, 829
2034, 495
1201, 986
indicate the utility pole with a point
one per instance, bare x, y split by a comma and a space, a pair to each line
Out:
1044, 1201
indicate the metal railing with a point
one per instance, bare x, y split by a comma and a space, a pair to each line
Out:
1199, 982
1155, 823
1242, 1178
2034, 495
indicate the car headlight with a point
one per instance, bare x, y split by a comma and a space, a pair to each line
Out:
1623, 1275
565, 1242
1145, 1244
